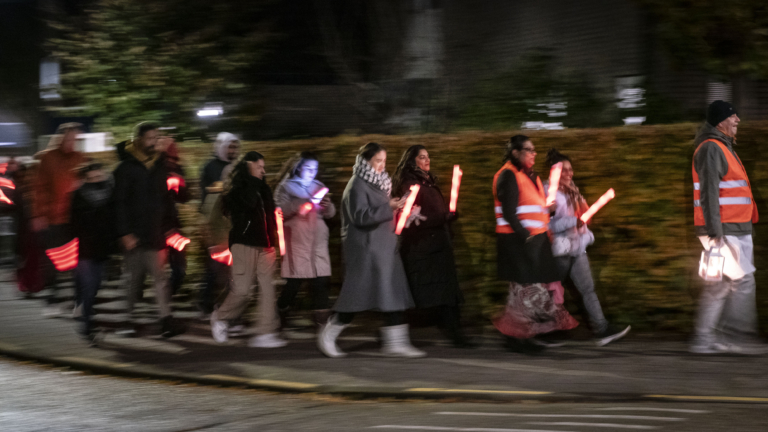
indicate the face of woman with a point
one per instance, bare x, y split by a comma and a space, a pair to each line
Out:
567, 175
379, 161
308, 171
527, 155
422, 160
256, 169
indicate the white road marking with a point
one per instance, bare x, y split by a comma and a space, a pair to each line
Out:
598, 416
443, 428
605, 425
678, 410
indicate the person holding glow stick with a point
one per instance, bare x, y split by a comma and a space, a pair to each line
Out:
525, 252
569, 246
426, 246
248, 201
374, 277
307, 257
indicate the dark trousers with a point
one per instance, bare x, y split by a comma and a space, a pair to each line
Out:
178, 263
216, 277
319, 293
54, 236
88, 277
390, 318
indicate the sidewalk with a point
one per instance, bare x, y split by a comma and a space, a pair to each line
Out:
636, 368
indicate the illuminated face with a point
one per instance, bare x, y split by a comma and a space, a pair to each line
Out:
422, 160
308, 171
148, 142
729, 125
379, 161
566, 177
69, 139
527, 155
257, 169
233, 150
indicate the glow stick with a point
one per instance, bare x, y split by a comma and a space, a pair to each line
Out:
7, 183
4, 198
3, 167
317, 197
280, 234
64, 257
305, 208
407, 209
177, 241
598, 205
554, 182
224, 257
174, 183
457, 173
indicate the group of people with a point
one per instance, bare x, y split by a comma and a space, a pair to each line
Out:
541, 243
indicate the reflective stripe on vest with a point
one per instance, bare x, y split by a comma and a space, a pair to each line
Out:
531, 209
734, 192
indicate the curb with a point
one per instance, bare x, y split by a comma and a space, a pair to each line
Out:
134, 370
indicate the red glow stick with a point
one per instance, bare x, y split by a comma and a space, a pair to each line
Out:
554, 182
598, 205
224, 257
305, 208
280, 233
177, 241
4, 198
318, 196
64, 257
174, 183
7, 183
455, 184
3, 167
407, 209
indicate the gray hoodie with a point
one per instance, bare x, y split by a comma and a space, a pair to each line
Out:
711, 165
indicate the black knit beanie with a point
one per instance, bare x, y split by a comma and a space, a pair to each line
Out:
719, 111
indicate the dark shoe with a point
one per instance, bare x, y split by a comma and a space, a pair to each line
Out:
610, 334
460, 340
546, 343
283, 313
171, 327
522, 346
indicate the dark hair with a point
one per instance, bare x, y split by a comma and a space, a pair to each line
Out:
240, 172
89, 165
145, 127
515, 143
407, 165
303, 158
370, 150
554, 156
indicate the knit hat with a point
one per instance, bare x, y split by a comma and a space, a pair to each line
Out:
719, 111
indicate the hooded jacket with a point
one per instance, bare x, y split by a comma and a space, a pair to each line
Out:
711, 165
213, 170
143, 206
251, 208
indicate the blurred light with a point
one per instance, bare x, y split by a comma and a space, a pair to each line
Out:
543, 125
210, 112
629, 121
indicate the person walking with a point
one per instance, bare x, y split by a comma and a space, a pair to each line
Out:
179, 194
374, 277
426, 247
144, 216
534, 305
571, 237
225, 149
724, 211
92, 224
248, 201
56, 180
306, 237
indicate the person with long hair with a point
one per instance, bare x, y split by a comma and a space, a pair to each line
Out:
525, 260
374, 277
426, 247
248, 202
306, 237
569, 246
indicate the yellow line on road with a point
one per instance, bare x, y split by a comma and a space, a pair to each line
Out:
261, 382
511, 392
711, 398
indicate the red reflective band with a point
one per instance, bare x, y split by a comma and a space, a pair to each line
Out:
455, 184
407, 209
598, 205
7, 183
64, 257
554, 182
174, 183
280, 234
224, 257
177, 241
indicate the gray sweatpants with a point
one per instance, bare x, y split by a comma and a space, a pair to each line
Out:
140, 261
577, 268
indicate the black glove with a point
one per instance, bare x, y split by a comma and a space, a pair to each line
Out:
451, 216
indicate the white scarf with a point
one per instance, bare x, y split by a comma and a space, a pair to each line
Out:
365, 171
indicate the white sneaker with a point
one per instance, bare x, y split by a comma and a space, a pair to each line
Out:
52, 311
219, 329
269, 340
395, 342
236, 330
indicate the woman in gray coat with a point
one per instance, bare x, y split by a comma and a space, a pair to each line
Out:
374, 277
306, 236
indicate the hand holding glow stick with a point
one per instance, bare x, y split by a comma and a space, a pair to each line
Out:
554, 182
280, 233
455, 184
407, 209
598, 205
177, 241
221, 255
316, 198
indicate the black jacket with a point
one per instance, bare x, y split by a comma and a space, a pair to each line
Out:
93, 216
252, 210
210, 174
143, 206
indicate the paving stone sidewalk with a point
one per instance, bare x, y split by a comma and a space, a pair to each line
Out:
639, 367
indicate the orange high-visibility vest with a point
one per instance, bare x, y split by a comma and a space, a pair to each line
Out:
531, 204
736, 203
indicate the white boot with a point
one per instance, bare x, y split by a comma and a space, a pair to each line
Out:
396, 343
326, 338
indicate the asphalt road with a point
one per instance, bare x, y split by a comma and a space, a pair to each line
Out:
41, 398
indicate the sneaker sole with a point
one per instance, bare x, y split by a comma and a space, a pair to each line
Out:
606, 340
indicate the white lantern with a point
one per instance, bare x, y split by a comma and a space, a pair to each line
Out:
711, 265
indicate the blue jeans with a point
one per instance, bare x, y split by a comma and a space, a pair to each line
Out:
88, 278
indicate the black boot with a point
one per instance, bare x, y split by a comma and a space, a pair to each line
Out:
170, 327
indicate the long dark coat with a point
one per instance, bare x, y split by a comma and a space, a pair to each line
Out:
426, 249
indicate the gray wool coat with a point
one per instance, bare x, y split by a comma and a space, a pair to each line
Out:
306, 237
374, 277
